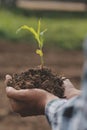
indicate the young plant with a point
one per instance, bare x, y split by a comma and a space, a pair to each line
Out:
38, 35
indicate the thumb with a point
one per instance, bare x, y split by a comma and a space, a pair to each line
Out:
16, 94
8, 78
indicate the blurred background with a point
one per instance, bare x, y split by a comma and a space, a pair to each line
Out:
66, 21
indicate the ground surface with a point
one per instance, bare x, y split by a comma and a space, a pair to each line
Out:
18, 57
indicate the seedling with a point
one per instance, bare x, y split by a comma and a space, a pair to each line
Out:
38, 77
38, 35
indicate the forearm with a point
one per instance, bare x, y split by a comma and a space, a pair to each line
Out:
52, 107
58, 112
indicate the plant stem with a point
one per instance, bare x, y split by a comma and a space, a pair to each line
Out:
42, 62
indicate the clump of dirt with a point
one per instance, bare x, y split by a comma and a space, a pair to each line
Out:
38, 78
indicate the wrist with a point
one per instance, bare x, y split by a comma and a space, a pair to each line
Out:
46, 98
72, 93
50, 97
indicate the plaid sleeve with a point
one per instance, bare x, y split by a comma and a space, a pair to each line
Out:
59, 112
52, 108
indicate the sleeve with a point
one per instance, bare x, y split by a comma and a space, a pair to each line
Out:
52, 107
59, 112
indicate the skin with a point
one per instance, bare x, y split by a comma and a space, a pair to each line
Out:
70, 90
31, 102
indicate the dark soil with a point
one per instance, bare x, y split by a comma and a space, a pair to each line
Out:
38, 78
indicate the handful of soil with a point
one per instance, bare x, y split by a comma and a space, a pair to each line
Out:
38, 78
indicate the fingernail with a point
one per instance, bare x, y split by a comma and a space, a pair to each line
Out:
8, 77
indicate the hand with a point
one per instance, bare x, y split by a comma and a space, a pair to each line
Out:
70, 90
28, 102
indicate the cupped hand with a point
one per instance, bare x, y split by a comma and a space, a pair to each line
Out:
28, 102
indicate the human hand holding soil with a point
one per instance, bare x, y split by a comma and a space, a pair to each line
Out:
28, 102
31, 102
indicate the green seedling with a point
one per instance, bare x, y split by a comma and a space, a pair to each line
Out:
38, 35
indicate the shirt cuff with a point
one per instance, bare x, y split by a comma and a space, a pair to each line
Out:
52, 107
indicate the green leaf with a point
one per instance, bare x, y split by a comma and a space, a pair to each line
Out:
41, 37
25, 27
42, 33
39, 25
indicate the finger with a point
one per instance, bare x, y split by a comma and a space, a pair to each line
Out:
16, 94
66, 80
63, 78
7, 79
67, 83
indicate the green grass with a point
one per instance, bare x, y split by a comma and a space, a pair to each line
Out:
66, 30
